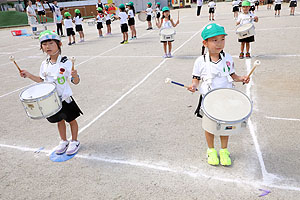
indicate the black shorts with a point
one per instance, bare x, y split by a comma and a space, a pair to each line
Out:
167, 41
158, 15
252, 8
235, 9
270, 1
41, 12
277, 6
68, 112
78, 28
131, 21
247, 40
108, 22
211, 10
99, 25
124, 28
70, 31
149, 18
293, 4
256, 3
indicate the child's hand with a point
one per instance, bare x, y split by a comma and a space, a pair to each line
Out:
245, 79
74, 73
192, 88
256, 19
24, 74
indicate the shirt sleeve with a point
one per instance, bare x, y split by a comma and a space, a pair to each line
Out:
42, 74
198, 67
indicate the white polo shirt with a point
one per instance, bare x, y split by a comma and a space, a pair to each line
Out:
199, 2
123, 17
245, 18
149, 11
78, 21
68, 23
130, 14
211, 4
58, 73
206, 69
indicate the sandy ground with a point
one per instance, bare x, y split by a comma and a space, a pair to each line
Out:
140, 139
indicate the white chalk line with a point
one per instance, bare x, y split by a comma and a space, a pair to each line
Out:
191, 171
281, 118
268, 178
4, 95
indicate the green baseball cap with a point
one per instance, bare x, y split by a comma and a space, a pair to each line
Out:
149, 3
67, 14
99, 9
158, 3
131, 3
121, 6
165, 9
246, 3
106, 7
77, 11
48, 35
212, 30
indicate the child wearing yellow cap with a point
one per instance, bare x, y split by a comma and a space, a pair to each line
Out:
215, 69
244, 18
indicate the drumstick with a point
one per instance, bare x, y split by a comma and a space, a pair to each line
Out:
168, 80
256, 63
12, 58
73, 61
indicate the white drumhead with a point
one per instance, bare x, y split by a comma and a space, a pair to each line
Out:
167, 31
142, 16
227, 105
37, 91
244, 27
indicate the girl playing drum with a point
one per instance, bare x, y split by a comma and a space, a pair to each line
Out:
216, 70
167, 22
57, 69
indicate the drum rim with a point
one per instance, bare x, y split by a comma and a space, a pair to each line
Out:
140, 14
160, 32
39, 98
252, 25
223, 121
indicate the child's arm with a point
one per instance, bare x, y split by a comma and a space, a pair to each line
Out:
236, 78
26, 74
173, 24
194, 85
75, 78
158, 24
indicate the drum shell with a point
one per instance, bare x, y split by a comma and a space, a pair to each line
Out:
245, 33
142, 16
42, 107
224, 128
166, 37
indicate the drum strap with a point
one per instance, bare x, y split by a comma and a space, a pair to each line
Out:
197, 111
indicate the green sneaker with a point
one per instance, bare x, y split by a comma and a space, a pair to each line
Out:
212, 157
225, 157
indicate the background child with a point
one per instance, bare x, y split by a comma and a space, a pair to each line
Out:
69, 27
252, 6
32, 19
58, 70
199, 5
270, 2
108, 20
57, 16
244, 18
99, 19
131, 21
78, 24
123, 21
293, 5
149, 15
167, 22
235, 8
212, 6
214, 40
157, 10
41, 11
277, 7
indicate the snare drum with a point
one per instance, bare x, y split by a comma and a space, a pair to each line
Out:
246, 30
167, 35
41, 100
91, 22
142, 16
225, 111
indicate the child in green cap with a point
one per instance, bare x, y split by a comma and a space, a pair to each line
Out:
246, 17
149, 15
78, 24
69, 27
58, 70
123, 22
215, 69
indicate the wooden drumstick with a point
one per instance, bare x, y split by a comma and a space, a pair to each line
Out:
256, 63
73, 61
12, 58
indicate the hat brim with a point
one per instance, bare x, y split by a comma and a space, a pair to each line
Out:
214, 35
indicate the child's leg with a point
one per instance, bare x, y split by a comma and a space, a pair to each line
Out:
73, 38
209, 139
150, 24
109, 28
213, 16
62, 130
242, 46
165, 47
74, 129
170, 47
224, 141
81, 34
57, 29
126, 36
247, 47
69, 38
100, 31
131, 29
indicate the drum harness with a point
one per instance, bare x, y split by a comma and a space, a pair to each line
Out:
212, 73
